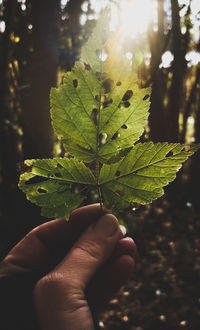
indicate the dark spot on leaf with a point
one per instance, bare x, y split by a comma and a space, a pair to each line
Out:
104, 75
94, 115
42, 191
107, 85
107, 103
97, 98
36, 179
126, 104
120, 192
124, 126
118, 148
75, 188
59, 166
146, 97
98, 75
100, 139
127, 95
107, 122
87, 67
58, 174
118, 83
75, 83
170, 153
117, 173
114, 136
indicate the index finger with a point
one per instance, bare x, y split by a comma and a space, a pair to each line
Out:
32, 251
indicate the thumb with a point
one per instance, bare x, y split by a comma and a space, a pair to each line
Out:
92, 250
59, 296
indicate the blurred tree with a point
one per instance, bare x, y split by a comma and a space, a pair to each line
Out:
194, 174
179, 48
39, 76
8, 132
157, 44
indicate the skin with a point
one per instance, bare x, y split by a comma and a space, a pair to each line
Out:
80, 265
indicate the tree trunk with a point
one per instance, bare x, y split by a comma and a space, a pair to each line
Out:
178, 73
157, 45
40, 76
8, 135
188, 108
194, 174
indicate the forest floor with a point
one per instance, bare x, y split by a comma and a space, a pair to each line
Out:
164, 291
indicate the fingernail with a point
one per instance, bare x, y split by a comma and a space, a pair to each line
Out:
107, 210
107, 225
123, 230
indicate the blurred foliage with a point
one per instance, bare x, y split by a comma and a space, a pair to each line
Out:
163, 292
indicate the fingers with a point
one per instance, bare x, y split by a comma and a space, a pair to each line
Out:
90, 252
59, 296
115, 274
32, 252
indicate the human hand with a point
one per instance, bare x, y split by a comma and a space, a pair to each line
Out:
80, 264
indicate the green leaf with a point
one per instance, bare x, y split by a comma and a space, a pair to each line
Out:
141, 175
50, 184
71, 111
93, 48
98, 113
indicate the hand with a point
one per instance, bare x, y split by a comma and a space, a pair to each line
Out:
80, 265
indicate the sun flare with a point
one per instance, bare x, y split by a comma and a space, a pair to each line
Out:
133, 16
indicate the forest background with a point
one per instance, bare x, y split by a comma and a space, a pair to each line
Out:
39, 41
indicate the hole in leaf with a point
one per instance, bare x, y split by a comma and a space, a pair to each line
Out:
118, 83
102, 139
146, 97
126, 104
127, 95
42, 191
170, 153
186, 148
107, 85
114, 137
107, 103
58, 174
94, 116
117, 173
124, 126
59, 166
36, 179
107, 122
75, 83
87, 67
103, 56
120, 192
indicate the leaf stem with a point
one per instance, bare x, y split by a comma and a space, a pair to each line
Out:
98, 185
